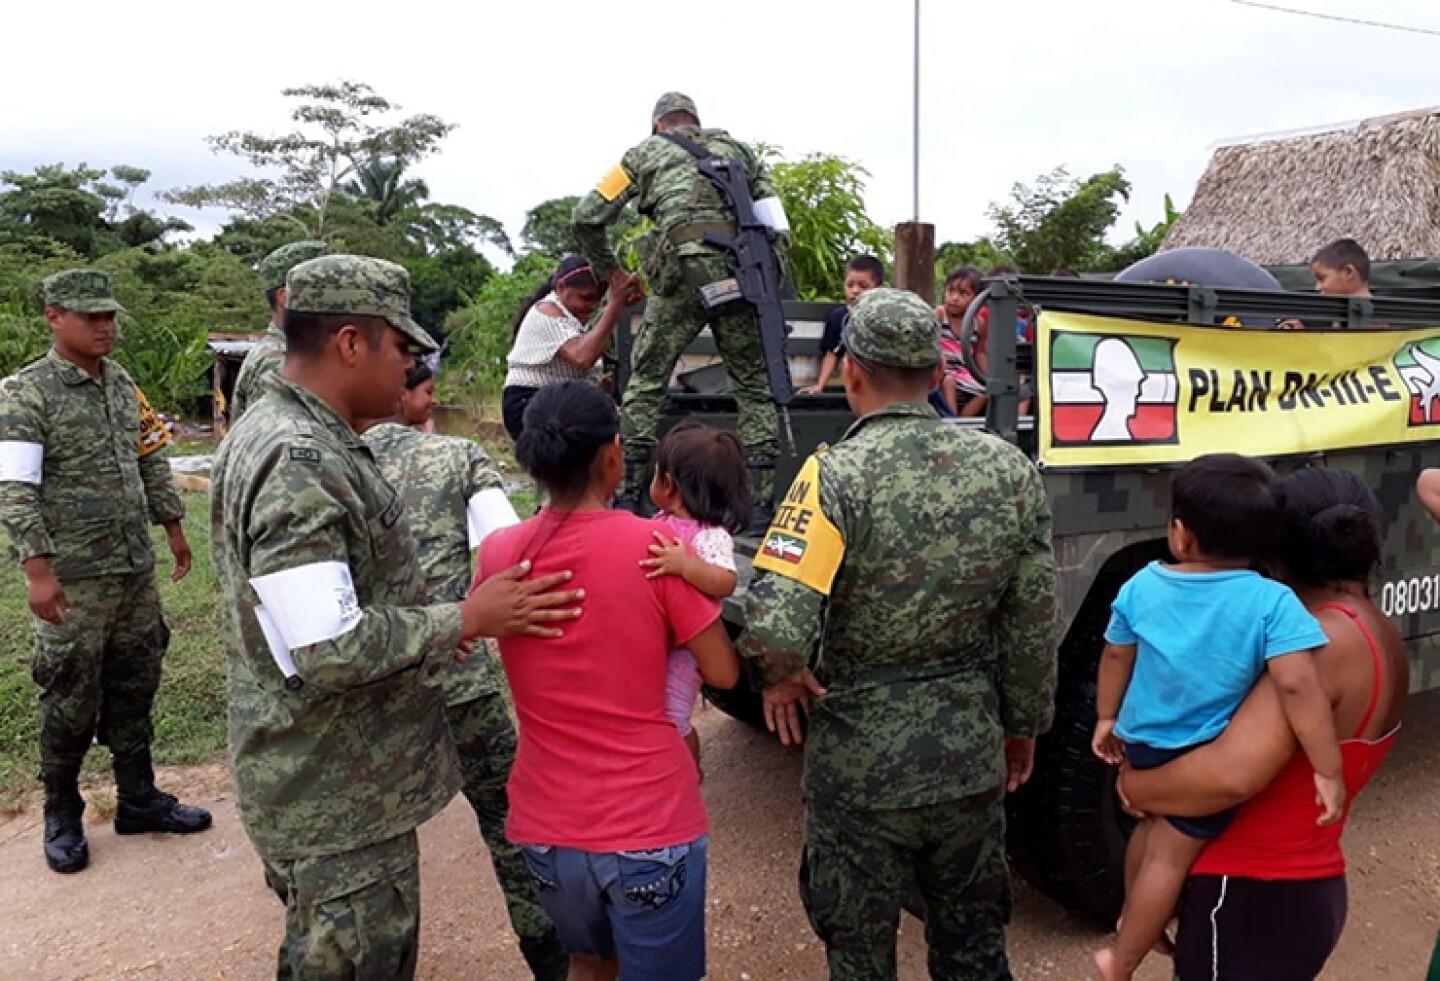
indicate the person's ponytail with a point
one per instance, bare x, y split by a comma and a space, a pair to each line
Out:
1330, 527
566, 425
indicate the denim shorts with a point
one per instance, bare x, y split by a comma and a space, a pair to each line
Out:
647, 907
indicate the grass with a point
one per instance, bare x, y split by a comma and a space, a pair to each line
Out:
189, 714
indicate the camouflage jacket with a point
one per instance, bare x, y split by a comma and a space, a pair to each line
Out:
354, 750
931, 595
88, 509
263, 360
437, 476
667, 187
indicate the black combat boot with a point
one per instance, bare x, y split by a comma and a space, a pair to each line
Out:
65, 847
141, 808
632, 494
762, 498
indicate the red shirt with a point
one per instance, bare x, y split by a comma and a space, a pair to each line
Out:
1274, 836
600, 767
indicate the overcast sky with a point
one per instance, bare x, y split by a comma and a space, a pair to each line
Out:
547, 95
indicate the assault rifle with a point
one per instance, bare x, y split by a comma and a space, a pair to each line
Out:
757, 274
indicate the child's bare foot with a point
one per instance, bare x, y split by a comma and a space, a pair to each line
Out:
1108, 965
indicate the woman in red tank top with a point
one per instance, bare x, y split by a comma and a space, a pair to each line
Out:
1266, 900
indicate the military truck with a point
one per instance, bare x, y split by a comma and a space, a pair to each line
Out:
1369, 407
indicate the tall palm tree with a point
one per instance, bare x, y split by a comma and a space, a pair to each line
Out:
381, 183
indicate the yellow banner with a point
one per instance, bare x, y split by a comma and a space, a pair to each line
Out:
1126, 393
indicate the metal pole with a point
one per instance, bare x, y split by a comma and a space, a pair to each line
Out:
916, 125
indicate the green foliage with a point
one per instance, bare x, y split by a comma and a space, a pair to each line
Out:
824, 197
77, 210
1147, 241
480, 334
547, 227
982, 253
1059, 221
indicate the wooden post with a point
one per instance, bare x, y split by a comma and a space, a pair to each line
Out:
915, 258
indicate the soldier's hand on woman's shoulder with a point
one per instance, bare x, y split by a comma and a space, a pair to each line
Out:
508, 604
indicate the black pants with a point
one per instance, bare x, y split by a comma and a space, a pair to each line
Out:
513, 401
1249, 930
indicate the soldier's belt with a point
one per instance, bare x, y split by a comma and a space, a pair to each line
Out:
697, 230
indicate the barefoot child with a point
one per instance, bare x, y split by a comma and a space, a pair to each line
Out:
702, 489
1186, 643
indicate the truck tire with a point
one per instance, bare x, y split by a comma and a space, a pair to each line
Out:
1067, 832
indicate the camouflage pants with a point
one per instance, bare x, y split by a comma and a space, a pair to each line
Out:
485, 741
671, 323
860, 867
354, 916
98, 671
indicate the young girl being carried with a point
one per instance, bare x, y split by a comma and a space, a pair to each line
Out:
702, 489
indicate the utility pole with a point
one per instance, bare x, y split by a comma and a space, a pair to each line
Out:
914, 239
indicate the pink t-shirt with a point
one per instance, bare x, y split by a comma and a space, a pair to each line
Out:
600, 767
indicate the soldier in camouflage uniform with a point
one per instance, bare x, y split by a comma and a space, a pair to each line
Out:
445, 480
669, 189
80, 473
928, 598
338, 746
268, 355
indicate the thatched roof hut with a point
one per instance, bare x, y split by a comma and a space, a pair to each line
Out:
1278, 199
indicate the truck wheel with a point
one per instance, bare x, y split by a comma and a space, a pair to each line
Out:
1067, 832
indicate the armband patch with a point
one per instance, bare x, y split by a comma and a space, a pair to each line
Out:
22, 462
488, 511
613, 184
154, 434
310, 603
802, 544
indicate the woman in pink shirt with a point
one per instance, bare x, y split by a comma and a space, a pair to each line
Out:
604, 797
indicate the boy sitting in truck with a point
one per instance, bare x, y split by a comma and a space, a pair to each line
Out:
862, 273
1186, 643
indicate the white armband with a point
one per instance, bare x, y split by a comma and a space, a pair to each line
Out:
771, 211
490, 510
21, 461
309, 604
279, 650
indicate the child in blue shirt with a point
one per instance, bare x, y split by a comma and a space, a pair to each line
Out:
1186, 643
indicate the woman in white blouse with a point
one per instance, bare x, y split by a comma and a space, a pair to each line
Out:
552, 343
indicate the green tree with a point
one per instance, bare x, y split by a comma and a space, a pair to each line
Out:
547, 227
480, 333
381, 184
1147, 241
341, 128
824, 197
1059, 221
79, 210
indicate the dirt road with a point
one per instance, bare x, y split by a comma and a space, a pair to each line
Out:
195, 908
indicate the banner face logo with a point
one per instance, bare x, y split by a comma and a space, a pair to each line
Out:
1126, 393
1419, 365
1114, 389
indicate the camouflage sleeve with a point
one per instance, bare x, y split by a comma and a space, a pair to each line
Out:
782, 625
22, 427
761, 185
301, 516
162, 500
161, 497
483, 473
600, 209
1025, 620
250, 383
794, 572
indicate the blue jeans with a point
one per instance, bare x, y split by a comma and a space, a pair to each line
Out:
647, 907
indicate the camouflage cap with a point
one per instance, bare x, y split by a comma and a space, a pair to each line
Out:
673, 102
893, 327
275, 266
355, 284
81, 290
